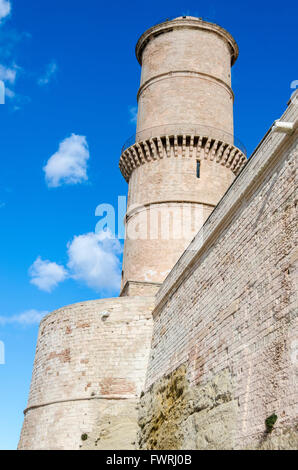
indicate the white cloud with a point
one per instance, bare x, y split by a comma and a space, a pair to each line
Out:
9, 93
8, 74
5, 8
46, 275
29, 317
133, 111
69, 164
49, 74
94, 259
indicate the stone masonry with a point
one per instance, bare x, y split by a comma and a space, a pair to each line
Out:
89, 370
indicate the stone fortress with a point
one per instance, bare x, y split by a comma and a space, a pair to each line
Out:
200, 350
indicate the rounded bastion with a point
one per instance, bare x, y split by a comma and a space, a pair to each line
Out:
89, 370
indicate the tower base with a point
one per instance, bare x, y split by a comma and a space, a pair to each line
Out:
88, 374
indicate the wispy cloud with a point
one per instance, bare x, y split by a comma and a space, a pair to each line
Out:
2, 204
9, 70
26, 318
8, 74
69, 164
49, 74
5, 9
133, 111
46, 275
10, 93
94, 260
9, 38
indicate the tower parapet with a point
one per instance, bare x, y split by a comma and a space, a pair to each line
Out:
184, 155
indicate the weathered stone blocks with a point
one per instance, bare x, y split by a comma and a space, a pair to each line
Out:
89, 370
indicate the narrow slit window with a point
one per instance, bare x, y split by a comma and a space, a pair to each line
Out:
198, 169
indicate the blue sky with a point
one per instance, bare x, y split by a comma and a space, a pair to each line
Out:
71, 79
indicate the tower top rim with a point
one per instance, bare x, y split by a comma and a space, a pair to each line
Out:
186, 22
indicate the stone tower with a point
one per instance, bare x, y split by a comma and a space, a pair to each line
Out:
91, 357
184, 156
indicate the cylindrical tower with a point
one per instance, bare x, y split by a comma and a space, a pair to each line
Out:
184, 156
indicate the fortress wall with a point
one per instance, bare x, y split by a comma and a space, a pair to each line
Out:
89, 370
225, 339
